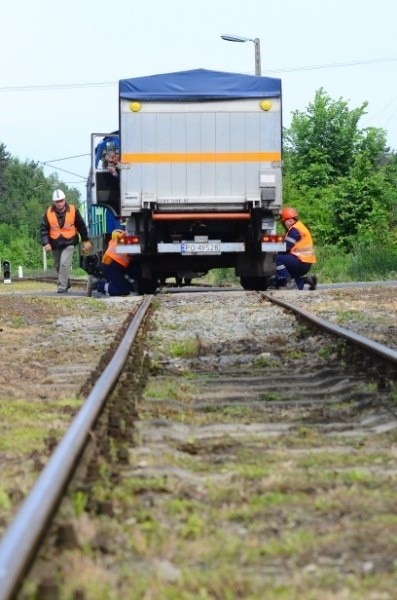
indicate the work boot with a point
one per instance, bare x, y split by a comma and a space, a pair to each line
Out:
311, 281
92, 284
286, 283
290, 284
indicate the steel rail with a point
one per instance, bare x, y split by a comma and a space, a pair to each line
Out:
384, 352
23, 536
46, 279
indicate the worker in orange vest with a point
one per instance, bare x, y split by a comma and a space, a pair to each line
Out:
118, 269
293, 266
60, 228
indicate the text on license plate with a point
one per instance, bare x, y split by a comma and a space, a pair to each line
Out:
201, 248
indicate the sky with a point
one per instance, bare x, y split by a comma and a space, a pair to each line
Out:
61, 62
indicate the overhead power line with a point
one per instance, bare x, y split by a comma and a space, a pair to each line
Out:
63, 170
48, 163
69, 86
353, 63
55, 86
66, 158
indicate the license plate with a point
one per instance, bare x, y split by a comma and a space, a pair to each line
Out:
213, 247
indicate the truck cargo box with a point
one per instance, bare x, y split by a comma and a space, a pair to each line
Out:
200, 140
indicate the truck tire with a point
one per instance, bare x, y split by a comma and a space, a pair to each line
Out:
259, 284
146, 286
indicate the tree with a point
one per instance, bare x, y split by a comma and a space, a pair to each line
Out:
343, 179
363, 206
321, 143
4, 159
23, 181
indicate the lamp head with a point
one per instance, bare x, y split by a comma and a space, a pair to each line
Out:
234, 38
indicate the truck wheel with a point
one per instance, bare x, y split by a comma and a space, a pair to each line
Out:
146, 286
254, 283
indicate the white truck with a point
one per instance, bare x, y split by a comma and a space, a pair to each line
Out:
199, 180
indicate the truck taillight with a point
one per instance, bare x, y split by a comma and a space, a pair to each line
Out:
130, 239
272, 237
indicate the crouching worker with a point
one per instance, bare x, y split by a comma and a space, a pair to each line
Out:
118, 270
293, 265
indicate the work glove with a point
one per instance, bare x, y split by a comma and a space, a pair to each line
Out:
86, 247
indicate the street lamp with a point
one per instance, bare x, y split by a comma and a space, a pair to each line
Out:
257, 42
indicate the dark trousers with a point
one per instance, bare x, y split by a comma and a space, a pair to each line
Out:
290, 267
119, 280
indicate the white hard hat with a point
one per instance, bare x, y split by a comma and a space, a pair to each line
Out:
58, 195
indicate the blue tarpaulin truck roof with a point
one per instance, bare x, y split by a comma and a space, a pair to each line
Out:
199, 84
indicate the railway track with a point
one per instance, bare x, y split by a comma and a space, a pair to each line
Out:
238, 455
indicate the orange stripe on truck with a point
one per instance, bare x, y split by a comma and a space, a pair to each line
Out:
199, 157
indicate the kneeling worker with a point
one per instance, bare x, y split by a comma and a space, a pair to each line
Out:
293, 265
118, 271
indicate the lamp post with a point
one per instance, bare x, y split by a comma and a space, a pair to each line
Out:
257, 42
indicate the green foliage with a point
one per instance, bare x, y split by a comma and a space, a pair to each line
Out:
19, 248
4, 158
79, 502
365, 262
363, 206
372, 261
5, 502
341, 179
321, 143
222, 276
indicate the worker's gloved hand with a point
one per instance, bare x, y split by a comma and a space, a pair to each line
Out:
86, 247
117, 234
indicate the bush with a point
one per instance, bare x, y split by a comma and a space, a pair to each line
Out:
364, 263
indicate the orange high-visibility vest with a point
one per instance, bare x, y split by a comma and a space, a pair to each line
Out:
68, 231
304, 248
111, 254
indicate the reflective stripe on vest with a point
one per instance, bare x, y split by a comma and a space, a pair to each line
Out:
68, 231
122, 259
303, 249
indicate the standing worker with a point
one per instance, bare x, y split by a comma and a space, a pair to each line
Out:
293, 265
60, 228
118, 270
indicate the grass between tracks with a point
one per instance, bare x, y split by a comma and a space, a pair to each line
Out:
315, 523
302, 515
